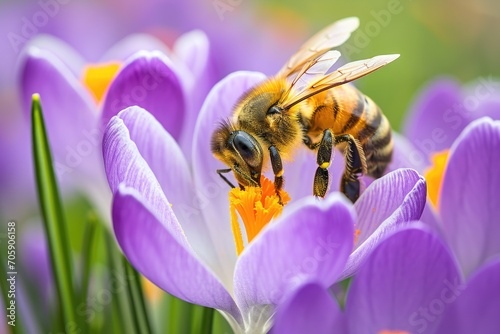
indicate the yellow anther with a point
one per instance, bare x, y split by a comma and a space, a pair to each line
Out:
434, 175
97, 78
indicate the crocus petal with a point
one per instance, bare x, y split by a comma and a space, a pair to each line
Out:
405, 284
468, 201
148, 80
70, 115
124, 164
193, 50
161, 258
391, 201
436, 118
132, 44
406, 155
309, 307
69, 56
310, 241
477, 307
165, 159
212, 190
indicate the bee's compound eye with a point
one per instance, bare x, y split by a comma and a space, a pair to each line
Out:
274, 110
248, 148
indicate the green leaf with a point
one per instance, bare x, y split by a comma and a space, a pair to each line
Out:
53, 218
136, 297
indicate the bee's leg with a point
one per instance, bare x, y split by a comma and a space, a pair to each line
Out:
321, 178
355, 166
221, 171
277, 170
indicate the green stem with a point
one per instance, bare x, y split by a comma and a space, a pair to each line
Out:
207, 320
122, 318
136, 297
55, 226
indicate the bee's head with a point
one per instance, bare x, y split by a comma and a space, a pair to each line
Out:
241, 152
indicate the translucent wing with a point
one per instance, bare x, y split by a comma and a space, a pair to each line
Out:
342, 75
332, 36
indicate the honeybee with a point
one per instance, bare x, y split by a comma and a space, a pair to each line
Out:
305, 103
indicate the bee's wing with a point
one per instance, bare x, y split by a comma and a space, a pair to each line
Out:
342, 75
332, 36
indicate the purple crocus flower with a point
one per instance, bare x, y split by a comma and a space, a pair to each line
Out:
462, 177
74, 119
172, 219
409, 284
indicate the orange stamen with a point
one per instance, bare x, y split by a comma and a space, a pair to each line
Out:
97, 78
256, 207
393, 332
434, 175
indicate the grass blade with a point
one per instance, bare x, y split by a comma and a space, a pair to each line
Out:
53, 218
136, 297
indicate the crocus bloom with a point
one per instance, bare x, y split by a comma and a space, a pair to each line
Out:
467, 206
76, 108
173, 221
409, 284
464, 176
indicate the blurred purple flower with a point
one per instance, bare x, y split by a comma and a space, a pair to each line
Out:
409, 284
147, 77
443, 109
444, 128
86, 30
184, 242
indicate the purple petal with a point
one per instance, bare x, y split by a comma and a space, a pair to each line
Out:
72, 59
70, 115
212, 190
125, 165
469, 195
310, 306
165, 159
132, 44
148, 80
390, 202
477, 308
405, 284
161, 258
436, 118
405, 155
310, 241
193, 49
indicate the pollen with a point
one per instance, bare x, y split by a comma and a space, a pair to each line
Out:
357, 232
97, 78
256, 207
434, 175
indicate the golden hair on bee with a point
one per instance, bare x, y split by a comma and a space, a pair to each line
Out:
307, 102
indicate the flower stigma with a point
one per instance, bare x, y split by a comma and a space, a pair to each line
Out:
434, 175
256, 206
98, 77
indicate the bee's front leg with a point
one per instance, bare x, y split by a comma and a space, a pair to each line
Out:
321, 178
278, 170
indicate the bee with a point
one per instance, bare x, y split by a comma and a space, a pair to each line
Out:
306, 103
